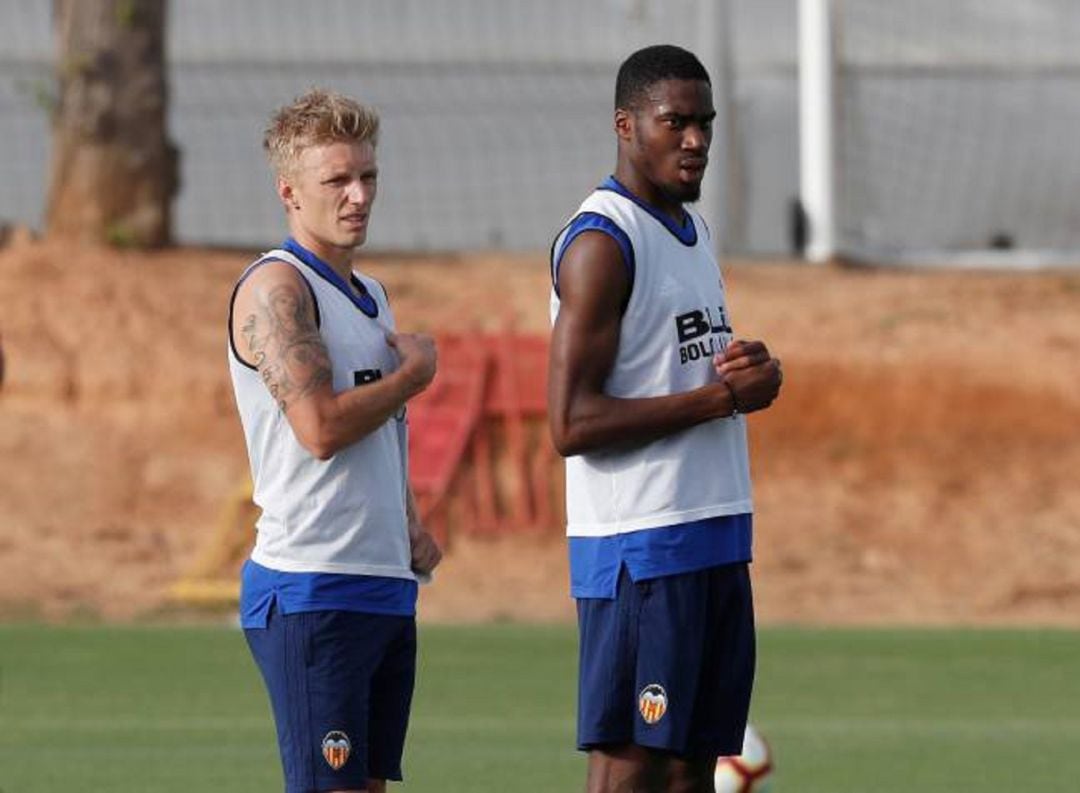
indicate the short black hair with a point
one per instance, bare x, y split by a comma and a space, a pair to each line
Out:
651, 65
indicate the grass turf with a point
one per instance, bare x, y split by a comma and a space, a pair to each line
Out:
160, 709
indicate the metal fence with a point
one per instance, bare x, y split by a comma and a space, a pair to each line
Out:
496, 113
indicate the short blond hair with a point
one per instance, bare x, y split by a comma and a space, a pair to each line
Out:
315, 119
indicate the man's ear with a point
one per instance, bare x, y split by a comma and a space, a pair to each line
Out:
286, 193
624, 123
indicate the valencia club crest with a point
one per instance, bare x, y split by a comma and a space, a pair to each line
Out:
335, 748
652, 703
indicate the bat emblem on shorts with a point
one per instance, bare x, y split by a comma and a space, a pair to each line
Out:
652, 703
335, 748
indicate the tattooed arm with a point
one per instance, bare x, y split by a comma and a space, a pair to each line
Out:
274, 330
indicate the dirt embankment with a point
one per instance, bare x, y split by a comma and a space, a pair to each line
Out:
919, 467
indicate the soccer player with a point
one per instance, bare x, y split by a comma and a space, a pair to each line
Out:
321, 379
648, 392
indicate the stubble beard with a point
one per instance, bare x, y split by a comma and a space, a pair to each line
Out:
683, 193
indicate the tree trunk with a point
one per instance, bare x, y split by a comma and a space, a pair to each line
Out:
114, 170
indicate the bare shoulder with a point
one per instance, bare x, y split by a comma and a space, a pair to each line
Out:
270, 283
275, 330
592, 271
265, 279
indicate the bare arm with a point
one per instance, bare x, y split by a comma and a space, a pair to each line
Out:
275, 330
426, 553
592, 286
751, 372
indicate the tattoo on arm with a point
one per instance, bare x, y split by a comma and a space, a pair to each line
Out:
285, 344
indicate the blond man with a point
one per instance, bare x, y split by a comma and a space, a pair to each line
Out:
322, 378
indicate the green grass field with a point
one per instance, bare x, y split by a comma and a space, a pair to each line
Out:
156, 709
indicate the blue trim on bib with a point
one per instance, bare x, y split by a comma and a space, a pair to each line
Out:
686, 232
594, 221
652, 553
261, 587
236, 289
363, 301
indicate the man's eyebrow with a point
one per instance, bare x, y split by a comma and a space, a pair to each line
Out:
676, 114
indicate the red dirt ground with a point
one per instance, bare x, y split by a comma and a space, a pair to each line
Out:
920, 466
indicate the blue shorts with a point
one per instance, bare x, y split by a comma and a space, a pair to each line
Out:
669, 663
340, 684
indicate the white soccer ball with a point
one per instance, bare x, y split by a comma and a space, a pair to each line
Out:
749, 772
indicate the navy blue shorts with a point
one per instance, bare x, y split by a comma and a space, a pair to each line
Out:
669, 663
340, 684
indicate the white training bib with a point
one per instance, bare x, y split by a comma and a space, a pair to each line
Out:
674, 322
345, 514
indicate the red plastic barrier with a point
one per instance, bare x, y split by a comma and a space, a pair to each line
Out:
479, 430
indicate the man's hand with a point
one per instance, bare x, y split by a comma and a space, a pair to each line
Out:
426, 554
752, 373
418, 357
